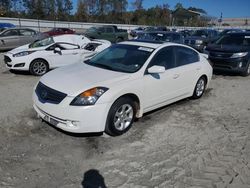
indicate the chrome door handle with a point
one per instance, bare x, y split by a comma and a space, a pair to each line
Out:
176, 76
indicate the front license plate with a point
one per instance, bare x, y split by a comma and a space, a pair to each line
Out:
50, 120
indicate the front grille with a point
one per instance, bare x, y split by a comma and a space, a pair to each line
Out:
220, 54
7, 59
49, 95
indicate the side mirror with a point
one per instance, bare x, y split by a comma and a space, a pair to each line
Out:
156, 69
57, 50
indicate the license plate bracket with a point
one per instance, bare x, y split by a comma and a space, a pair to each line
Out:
51, 120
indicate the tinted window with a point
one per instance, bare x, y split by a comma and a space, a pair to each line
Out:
10, 33
165, 57
176, 38
185, 56
238, 40
121, 58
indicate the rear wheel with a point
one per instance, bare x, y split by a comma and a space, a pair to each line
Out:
39, 67
121, 117
199, 88
119, 40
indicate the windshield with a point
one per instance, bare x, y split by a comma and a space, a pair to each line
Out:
121, 58
200, 33
237, 40
155, 37
42, 43
92, 29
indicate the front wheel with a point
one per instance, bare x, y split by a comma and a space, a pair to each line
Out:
39, 67
120, 117
247, 70
199, 88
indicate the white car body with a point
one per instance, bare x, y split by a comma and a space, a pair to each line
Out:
75, 51
152, 92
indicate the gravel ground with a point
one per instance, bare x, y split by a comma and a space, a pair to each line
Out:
192, 143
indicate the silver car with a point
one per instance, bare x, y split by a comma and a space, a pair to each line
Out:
15, 37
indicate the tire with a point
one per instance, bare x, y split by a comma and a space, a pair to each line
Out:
119, 40
39, 67
246, 72
120, 117
200, 88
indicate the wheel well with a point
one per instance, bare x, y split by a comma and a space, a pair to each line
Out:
205, 76
40, 59
136, 99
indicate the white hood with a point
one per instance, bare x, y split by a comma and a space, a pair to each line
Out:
77, 78
25, 48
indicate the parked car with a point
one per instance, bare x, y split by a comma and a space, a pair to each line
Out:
186, 33
14, 37
107, 32
156, 28
108, 91
53, 52
59, 31
201, 38
231, 52
163, 36
4, 26
134, 32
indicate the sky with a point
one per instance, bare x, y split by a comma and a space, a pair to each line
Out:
229, 8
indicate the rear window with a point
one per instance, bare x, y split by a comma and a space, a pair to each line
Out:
237, 40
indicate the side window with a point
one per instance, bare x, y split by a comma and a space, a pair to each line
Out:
10, 33
66, 46
165, 57
24, 32
109, 30
185, 56
101, 29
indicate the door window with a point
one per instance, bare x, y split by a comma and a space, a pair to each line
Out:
26, 32
185, 56
109, 30
165, 58
10, 33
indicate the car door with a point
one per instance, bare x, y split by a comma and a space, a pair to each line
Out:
110, 34
188, 67
161, 88
26, 36
9, 39
68, 54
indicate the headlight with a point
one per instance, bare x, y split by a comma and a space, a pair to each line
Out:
20, 54
89, 97
241, 54
198, 42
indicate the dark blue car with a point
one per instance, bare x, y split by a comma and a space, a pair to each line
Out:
5, 26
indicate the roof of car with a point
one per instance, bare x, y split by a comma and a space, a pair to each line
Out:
147, 43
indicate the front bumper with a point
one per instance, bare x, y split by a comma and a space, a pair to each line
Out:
75, 119
16, 63
230, 65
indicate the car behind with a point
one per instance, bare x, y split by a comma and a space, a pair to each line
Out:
231, 53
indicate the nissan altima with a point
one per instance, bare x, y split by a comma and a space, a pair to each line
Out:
107, 92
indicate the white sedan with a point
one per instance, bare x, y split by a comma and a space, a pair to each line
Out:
107, 92
53, 52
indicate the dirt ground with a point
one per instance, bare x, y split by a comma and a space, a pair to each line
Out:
192, 143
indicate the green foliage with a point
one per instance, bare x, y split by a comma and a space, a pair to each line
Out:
103, 11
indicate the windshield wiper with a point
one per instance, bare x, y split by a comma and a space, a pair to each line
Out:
102, 66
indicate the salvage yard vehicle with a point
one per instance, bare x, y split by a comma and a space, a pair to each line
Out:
201, 38
231, 53
164, 36
121, 83
59, 31
4, 26
107, 32
14, 37
41, 56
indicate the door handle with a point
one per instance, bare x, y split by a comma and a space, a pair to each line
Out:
75, 53
176, 76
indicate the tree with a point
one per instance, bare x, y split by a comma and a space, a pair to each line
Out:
5, 6
177, 6
80, 14
137, 4
35, 8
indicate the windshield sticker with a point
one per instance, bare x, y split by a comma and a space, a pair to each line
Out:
247, 37
146, 49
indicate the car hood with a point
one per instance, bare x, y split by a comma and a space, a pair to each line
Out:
25, 48
227, 48
77, 78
